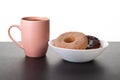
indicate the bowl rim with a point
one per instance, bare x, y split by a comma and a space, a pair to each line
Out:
103, 42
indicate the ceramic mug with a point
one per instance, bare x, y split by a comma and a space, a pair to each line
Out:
34, 34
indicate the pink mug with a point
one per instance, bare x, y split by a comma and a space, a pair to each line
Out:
35, 35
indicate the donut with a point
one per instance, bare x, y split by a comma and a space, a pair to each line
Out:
93, 42
71, 40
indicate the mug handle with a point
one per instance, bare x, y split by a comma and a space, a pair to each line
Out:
17, 43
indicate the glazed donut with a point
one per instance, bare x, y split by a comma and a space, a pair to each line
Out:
71, 40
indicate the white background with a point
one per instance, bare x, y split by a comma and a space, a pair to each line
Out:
100, 18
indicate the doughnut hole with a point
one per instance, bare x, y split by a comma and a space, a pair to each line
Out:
69, 39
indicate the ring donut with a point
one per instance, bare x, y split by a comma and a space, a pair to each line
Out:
71, 40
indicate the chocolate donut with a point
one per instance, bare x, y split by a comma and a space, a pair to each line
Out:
93, 42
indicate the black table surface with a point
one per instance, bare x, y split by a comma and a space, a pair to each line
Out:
15, 66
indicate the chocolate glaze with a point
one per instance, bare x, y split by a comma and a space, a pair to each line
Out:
93, 42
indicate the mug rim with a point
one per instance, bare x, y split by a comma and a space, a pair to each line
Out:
35, 18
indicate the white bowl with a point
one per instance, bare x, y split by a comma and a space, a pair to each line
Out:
73, 55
